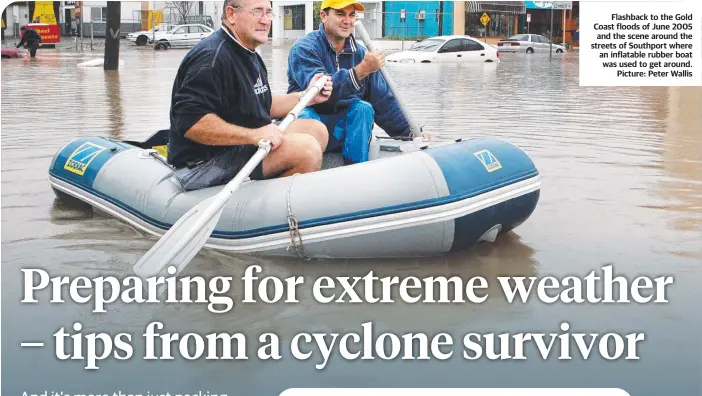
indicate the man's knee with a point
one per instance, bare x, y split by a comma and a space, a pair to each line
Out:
362, 108
305, 151
311, 127
299, 153
310, 150
361, 113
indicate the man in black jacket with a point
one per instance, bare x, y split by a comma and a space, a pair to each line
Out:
31, 38
222, 106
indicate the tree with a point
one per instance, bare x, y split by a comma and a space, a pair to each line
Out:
316, 19
183, 8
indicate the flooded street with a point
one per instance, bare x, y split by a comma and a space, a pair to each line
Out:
621, 171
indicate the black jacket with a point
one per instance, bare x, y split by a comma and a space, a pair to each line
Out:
217, 76
30, 37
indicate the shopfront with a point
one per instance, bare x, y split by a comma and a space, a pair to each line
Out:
502, 18
541, 19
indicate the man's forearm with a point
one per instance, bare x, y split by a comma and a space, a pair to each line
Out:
282, 104
362, 71
214, 131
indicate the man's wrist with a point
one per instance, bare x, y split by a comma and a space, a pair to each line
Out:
360, 70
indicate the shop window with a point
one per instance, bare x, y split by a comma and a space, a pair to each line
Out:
500, 24
294, 17
98, 14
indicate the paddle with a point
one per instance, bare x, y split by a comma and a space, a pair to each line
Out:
190, 233
369, 43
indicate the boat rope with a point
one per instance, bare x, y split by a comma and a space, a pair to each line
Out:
161, 158
295, 237
155, 154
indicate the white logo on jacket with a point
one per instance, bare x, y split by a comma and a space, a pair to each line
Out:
259, 88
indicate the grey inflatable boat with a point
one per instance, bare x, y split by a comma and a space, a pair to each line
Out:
413, 199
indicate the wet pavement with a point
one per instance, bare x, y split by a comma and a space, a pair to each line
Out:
621, 169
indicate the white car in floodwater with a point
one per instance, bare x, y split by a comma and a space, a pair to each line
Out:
447, 49
182, 36
147, 36
528, 43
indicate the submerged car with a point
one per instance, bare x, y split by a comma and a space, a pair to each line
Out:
528, 43
447, 49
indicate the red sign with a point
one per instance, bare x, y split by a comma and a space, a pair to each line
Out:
49, 33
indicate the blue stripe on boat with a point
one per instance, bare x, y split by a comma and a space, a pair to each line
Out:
467, 175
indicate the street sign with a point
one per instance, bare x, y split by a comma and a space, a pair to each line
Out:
562, 5
484, 19
549, 5
528, 17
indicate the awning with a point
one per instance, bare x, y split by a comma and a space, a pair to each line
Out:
506, 7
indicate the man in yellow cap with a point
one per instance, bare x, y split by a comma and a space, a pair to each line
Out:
360, 98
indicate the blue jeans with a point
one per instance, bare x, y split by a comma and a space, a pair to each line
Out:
350, 130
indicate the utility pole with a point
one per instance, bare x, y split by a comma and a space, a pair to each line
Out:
112, 33
550, 37
441, 18
81, 25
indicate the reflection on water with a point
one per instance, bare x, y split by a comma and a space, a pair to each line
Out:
682, 157
621, 170
114, 99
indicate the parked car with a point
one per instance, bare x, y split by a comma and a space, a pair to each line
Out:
447, 49
182, 36
199, 19
528, 43
146, 36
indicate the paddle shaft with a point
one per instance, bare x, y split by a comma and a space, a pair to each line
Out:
215, 208
369, 43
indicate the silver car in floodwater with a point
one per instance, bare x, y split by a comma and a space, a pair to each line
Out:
528, 43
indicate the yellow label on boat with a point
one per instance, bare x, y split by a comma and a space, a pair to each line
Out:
82, 157
163, 150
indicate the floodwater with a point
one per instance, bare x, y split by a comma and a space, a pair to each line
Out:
622, 184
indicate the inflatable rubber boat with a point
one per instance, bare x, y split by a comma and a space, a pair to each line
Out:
413, 199
12, 53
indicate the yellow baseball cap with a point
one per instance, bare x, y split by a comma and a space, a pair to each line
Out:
341, 4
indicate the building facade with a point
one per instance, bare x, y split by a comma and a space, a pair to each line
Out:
506, 18
294, 18
539, 21
503, 18
417, 19
388, 20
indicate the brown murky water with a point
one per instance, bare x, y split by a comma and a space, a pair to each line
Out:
622, 184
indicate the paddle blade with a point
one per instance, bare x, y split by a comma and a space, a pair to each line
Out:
181, 243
